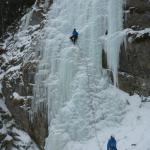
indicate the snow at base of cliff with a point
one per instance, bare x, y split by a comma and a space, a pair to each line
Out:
131, 134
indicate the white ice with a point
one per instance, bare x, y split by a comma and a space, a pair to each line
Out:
70, 78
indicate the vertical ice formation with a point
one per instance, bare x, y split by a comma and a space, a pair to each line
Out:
115, 36
70, 80
60, 58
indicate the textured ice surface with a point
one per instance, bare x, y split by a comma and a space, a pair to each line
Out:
70, 79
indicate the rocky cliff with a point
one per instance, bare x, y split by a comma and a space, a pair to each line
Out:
135, 59
18, 65
11, 137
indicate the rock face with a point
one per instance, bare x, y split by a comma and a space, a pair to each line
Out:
135, 60
137, 14
17, 88
10, 136
18, 68
12, 11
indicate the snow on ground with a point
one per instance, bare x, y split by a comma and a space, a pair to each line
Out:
135, 127
25, 140
139, 32
16, 96
136, 34
131, 134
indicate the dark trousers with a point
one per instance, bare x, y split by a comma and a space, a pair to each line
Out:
74, 38
112, 148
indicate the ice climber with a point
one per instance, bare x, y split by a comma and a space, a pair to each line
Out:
111, 145
74, 36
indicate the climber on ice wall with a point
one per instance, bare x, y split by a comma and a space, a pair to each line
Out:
74, 36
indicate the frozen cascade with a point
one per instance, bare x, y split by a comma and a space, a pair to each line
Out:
70, 79
115, 36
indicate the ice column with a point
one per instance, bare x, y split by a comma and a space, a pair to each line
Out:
115, 36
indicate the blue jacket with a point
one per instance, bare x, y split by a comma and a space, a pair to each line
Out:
75, 33
111, 145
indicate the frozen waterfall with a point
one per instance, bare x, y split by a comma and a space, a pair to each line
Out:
115, 36
70, 80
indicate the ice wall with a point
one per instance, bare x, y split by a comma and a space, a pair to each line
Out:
70, 80
115, 36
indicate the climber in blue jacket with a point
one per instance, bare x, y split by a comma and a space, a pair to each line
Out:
74, 36
111, 145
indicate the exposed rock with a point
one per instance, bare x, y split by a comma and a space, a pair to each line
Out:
135, 63
137, 14
10, 136
2, 51
19, 73
2, 136
8, 142
20, 106
135, 60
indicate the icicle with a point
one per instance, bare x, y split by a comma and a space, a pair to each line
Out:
115, 37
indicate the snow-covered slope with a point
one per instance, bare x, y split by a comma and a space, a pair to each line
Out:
131, 134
